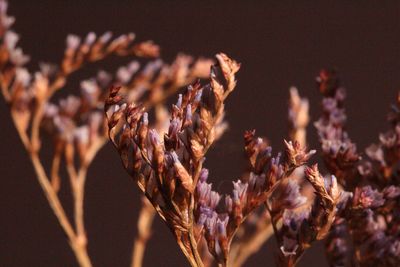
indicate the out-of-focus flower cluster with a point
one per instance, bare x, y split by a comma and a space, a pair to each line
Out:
366, 232
355, 207
76, 123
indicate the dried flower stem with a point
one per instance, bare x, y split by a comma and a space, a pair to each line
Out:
166, 178
246, 242
144, 226
75, 124
75, 241
249, 245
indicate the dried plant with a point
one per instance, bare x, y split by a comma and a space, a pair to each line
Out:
354, 207
169, 169
366, 232
75, 124
356, 202
257, 229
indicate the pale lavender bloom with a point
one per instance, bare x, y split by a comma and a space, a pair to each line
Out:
70, 105
228, 204
174, 127
188, 113
203, 175
145, 118
388, 139
133, 66
23, 76
256, 182
368, 197
206, 211
235, 197
344, 198
293, 219
197, 97
73, 41
90, 91
65, 127
3, 6
203, 191
221, 225
391, 192
81, 134
152, 67
329, 104
394, 249
155, 140
340, 94
241, 189
337, 117
202, 219
211, 223
120, 38
214, 199
10, 40
179, 101
329, 182
365, 168
123, 75
90, 38
105, 37
5, 20
287, 196
104, 78
95, 121
18, 57
47, 69
50, 110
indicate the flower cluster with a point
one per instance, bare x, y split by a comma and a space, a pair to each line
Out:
339, 152
354, 207
169, 169
368, 211
76, 123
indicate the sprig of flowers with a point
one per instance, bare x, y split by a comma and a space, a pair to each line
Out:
76, 123
170, 171
368, 212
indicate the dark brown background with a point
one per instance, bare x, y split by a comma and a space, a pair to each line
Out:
279, 45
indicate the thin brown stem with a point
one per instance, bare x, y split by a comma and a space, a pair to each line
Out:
251, 245
51, 196
55, 167
4, 89
144, 225
78, 205
193, 245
